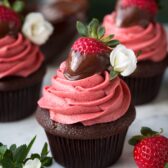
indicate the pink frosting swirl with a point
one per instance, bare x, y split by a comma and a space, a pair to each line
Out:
92, 100
18, 57
150, 40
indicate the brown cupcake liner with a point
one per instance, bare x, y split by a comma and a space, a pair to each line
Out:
92, 153
144, 89
18, 104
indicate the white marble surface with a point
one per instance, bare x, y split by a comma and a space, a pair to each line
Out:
154, 115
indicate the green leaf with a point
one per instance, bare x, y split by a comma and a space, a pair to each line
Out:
100, 32
3, 149
18, 6
107, 39
81, 28
92, 28
7, 160
35, 155
145, 131
30, 146
44, 151
7, 163
166, 165
47, 161
113, 74
18, 165
13, 148
135, 139
20, 154
113, 43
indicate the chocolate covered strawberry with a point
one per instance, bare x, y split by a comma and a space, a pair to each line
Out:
9, 21
90, 53
151, 149
136, 12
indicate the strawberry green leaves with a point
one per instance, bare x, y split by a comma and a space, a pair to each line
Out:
16, 157
18, 5
95, 30
82, 29
145, 133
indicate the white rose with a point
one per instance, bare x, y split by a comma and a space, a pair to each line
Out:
1, 166
33, 164
123, 60
36, 28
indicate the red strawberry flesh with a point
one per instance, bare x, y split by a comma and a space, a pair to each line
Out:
89, 46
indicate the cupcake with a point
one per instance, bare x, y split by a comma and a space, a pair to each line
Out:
134, 25
63, 16
87, 109
21, 68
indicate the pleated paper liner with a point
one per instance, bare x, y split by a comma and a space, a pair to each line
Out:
19, 96
19, 104
144, 90
94, 153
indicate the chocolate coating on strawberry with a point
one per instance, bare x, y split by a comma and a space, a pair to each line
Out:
87, 57
135, 12
9, 22
89, 54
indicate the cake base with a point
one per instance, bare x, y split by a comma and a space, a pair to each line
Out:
97, 146
19, 96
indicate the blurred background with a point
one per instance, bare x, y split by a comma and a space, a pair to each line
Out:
63, 14
98, 8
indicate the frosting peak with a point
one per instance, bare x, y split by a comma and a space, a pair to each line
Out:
18, 57
150, 40
91, 100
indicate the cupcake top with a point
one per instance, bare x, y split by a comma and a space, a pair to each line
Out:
18, 55
133, 23
86, 88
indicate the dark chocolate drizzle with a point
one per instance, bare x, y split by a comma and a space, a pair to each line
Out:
130, 16
80, 66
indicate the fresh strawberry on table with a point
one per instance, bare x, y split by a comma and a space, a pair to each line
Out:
150, 149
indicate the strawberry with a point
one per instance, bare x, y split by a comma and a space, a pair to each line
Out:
7, 15
89, 46
90, 53
9, 21
149, 5
151, 149
136, 12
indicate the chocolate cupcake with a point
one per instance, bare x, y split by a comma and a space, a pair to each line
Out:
134, 25
87, 110
63, 16
21, 68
